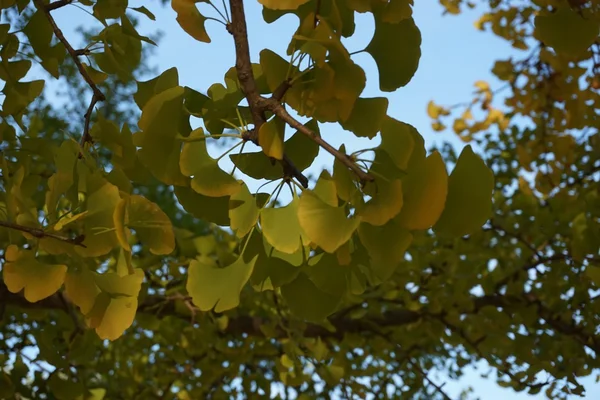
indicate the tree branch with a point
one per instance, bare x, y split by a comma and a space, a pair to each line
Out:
276, 108
97, 94
40, 233
438, 388
58, 4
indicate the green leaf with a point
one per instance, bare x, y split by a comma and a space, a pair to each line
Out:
281, 227
270, 137
566, 31
208, 178
40, 33
425, 190
367, 116
243, 211
469, 202
145, 11
326, 226
307, 301
108, 301
97, 76
58, 184
160, 151
122, 51
109, 9
147, 89
212, 209
152, 226
64, 389
19, 95
218, 288
397, 139
397, 60
386, 246
190, 19
23, 271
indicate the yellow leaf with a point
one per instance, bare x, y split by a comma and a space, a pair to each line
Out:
23, 271
270, 137
425, 189
282, 4
190, 19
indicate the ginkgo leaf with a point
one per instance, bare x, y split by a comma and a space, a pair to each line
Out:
397, 139
243, 211
344, 180
100, 237
270, 138
212, 209
326, 190
425, 189
108, 301
469, 202
397, 60
367, 116
62, 179
281, 227
218, 288
282, 4
152, 226
307, 301
23, 271
326, 226
208, 178
566, 30
147, 89
384, 205
386, 246
190, 19
160, 151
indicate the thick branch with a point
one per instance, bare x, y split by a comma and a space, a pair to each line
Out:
276, 108
40, 233
97, 94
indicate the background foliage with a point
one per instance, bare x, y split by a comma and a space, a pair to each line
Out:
140, 269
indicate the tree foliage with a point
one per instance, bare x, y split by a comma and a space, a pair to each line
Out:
138, 268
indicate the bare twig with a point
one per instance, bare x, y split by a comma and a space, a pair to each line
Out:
40, 233
437, 387
97, 94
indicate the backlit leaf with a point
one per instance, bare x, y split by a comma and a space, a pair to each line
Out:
190, 19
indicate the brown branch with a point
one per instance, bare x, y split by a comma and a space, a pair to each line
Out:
97, 94
276, 108
58, 4
40, 233
243, 67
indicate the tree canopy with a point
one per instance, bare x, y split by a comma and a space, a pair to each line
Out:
137, 267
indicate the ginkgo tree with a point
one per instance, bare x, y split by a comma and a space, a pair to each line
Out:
139, 268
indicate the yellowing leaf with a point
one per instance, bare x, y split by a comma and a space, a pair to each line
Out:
367, 116
281, 227
282, 4
211, 286
384, 205
326, 226
566, 31
23, 271
243, 211
108, 301
270, 138
151, 224
397, 139
425, 189
208, 178
97, 76
469, 202
190, 19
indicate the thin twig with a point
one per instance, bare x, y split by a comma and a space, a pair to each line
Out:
97, 94
437, 387
58, 4
40, 233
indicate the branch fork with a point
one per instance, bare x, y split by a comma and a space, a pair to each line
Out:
258, 104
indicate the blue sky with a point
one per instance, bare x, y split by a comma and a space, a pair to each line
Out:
454, 56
